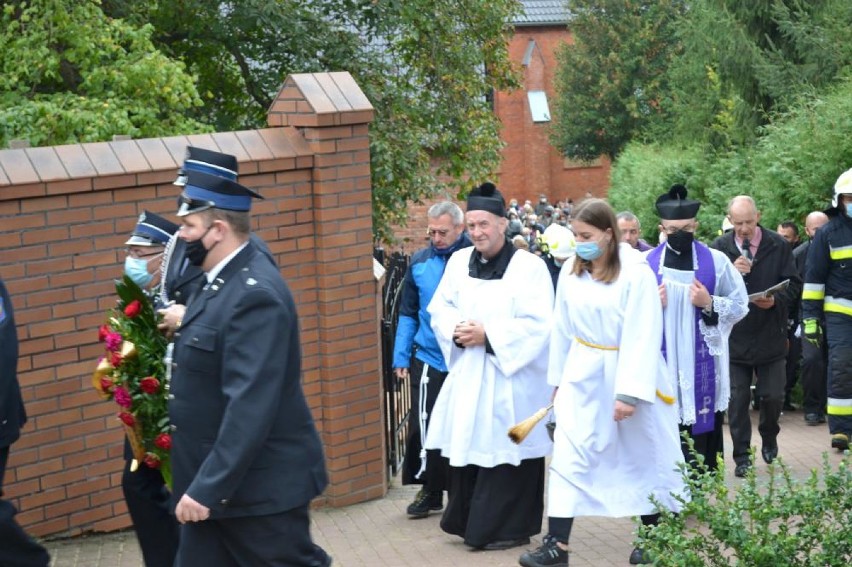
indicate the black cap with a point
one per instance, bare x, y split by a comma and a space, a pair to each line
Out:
151, 230
207, 161
674, 205
486, 197
204, 191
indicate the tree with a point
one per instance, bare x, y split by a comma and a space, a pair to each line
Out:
612, 81
69, 74
427, 66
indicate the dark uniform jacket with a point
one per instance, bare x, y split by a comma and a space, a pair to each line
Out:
761, 337
12, 414
244, 440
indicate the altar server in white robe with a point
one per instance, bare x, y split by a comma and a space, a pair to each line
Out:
492, 316
703, 297
616, 437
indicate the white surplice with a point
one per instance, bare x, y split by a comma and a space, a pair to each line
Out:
730, 301
606, 341
486, 394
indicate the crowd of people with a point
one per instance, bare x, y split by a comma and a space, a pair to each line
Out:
642, 351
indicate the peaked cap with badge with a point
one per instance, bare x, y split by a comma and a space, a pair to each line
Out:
673, 205
207, 161
204, 191
152, 230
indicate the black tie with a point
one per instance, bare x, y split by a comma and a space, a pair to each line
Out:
747, 249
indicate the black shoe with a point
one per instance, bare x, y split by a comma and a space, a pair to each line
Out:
788, 405
639, 557
840, 441
502, 544
814, 418
548, 555
769, 452
426, 501
741, 470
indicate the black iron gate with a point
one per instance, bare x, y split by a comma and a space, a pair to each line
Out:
397, 391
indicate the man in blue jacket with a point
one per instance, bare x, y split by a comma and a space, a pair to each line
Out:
417, 354
16, 547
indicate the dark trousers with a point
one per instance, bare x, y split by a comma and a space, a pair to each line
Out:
495, 504
276, 540
771, 379
794, 357
148, 501
17, 549
839, 338
424, 392
814, 377
710, 445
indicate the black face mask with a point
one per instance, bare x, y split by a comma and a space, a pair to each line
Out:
195, 250
680, 241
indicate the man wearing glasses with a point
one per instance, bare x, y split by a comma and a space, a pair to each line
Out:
426, 368
148, 499
703, 296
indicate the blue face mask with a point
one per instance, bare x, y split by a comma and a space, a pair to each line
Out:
137, 270
589, 250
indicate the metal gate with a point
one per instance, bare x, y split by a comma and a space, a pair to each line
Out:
397, 392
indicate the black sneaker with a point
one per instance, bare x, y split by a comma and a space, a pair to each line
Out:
548, 555
426, 501
639, 557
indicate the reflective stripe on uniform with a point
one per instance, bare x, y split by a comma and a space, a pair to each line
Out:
839, 406
813, 291
837, 305
840, 252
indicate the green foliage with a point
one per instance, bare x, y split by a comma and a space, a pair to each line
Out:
69, 74
790, 171
426, 66
611, 81
784, 522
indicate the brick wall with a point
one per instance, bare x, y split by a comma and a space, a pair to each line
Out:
65, 212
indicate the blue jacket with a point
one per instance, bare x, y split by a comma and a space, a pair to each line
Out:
414, 327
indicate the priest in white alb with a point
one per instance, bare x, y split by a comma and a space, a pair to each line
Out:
703, 297
492, 317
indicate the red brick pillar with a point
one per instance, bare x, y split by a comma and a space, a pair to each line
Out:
333, 115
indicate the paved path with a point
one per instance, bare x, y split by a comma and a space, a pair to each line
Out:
379, 533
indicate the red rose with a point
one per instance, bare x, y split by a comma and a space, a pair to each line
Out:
149, 385
103, 331
106, 384
133, 308
115, 359
152, 460
163, 441
127, 418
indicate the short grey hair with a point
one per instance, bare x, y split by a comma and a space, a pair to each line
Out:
447, 208
629, 217
739, 198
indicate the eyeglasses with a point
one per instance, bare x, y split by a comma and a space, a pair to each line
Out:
439, 232
673, 229
133, 253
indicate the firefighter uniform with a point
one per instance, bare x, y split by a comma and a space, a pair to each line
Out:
827, 296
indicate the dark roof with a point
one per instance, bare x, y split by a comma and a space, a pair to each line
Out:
543, 12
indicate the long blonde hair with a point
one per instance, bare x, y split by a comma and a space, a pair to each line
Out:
598, 213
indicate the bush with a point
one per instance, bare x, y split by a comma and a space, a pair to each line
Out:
783, 522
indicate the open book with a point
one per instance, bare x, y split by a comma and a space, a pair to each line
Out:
769, 292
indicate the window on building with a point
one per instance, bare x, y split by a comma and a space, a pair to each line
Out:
538, 106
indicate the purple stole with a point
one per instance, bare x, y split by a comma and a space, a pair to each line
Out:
705, 366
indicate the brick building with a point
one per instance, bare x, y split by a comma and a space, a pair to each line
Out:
531, 165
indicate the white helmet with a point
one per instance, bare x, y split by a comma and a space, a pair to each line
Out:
560, 241
843, 186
